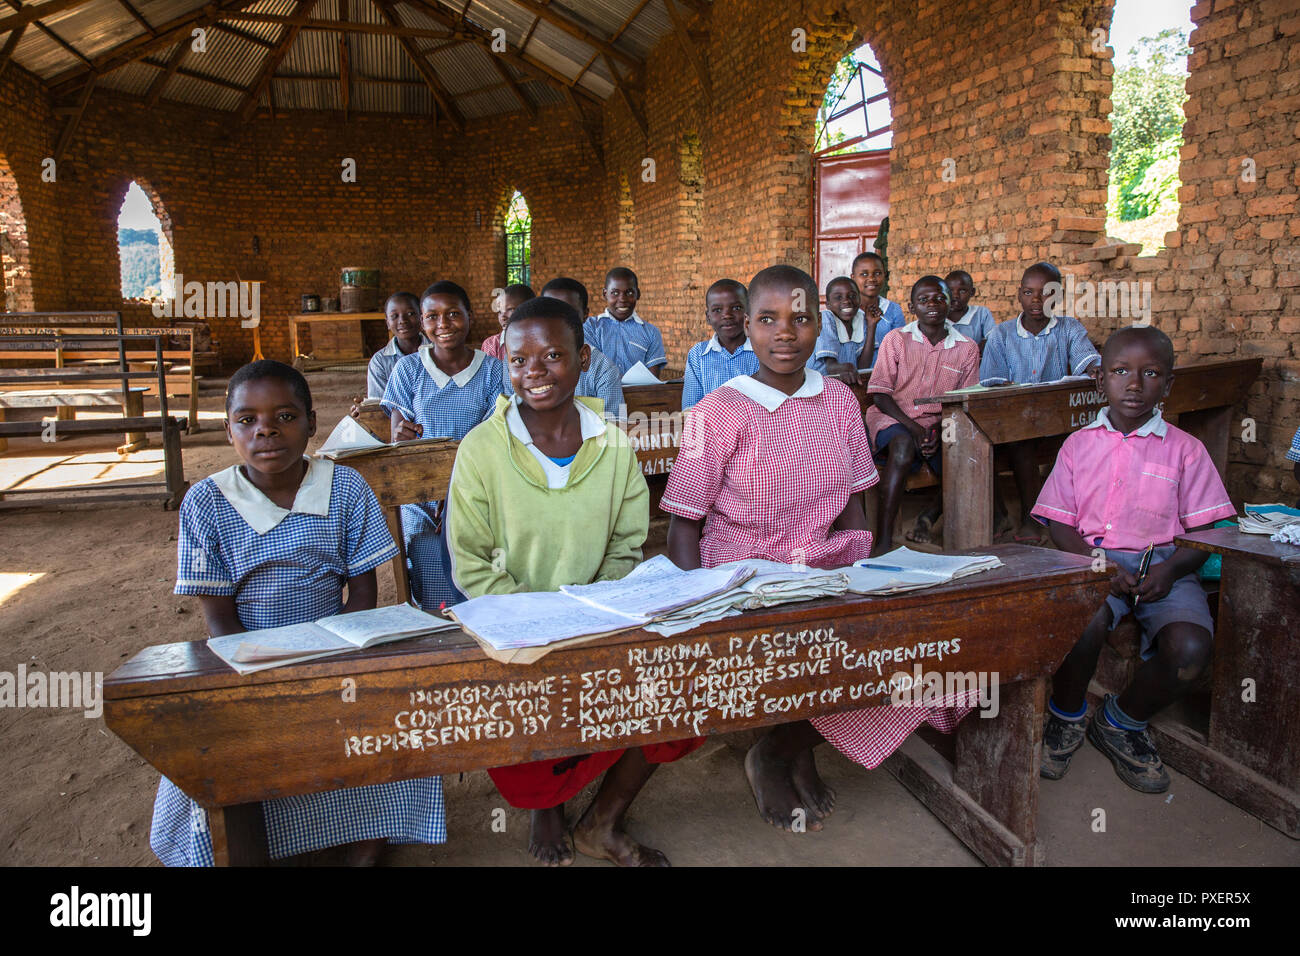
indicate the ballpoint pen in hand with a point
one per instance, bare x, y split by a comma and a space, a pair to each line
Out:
1143, 568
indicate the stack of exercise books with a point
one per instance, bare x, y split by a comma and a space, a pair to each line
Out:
1267, 519
661, 597
252, 651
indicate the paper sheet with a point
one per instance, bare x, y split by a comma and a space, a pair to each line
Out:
362, 628
348, 434
657, 587
534, 619
638, 374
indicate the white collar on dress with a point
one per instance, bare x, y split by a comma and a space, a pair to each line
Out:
951, 339
1024, 333
441, 378
631, 318
263, 514
771, 398
859, 332
392, 349
715, 346
1155, 425
593, 426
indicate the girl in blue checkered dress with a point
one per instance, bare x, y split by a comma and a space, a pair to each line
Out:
273, 542
441, 390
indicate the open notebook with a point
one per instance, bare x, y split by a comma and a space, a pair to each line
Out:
252, 651
349, 439
905, 570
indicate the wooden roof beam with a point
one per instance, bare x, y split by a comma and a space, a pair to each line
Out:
30, 13
162, 79
11, 44
637, 115
345, 61
248, 106
631, 18
577, 31
135, 15
586, 130
515, 88
62, 42
439, 92
70, 127
244, 35
343, 26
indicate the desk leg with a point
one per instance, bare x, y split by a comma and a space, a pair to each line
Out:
401, 577
989, 797
133, 405
967, 484
239, 835
1252, 756
4, 442
192, 412
1211, 426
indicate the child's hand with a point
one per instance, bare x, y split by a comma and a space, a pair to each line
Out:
408, 431
1155, 586
930, 443
1122, 584
355, 411
845, 373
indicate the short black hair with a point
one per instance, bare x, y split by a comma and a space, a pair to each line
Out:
960, 274
410, 296
624, 273
1048, 271
786, 277
519, 291
1159, 343
545, 307
446, 287
840, 279
868, 255
929, 280
269, 368
566, 284
731, 285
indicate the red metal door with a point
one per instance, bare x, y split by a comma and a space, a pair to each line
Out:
850, 198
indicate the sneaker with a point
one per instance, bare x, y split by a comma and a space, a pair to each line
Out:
1061, 738
1132, 752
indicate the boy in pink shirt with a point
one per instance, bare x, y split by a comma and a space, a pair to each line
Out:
1129, 480
926, 357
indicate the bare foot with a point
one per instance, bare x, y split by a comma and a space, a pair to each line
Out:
364, 852
774, 789
921, 533
1003, 527
815, 793
610, 842
548, 838
1030, 532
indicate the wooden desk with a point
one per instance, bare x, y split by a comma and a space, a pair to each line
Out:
348, 343
1251, 752
1202, 397
654, 425
437, 705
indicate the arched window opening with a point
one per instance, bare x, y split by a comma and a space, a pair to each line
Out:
519, 246
15, 262
854, 116
1148, 90
148, 265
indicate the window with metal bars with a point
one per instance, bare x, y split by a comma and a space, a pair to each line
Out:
519, 230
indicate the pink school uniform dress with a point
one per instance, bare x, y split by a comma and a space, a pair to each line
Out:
769, 473
492, 346
908, 367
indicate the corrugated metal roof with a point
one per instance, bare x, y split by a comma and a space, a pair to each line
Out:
466, 70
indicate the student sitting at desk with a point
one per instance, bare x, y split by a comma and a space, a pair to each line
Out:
402, 314
726, 355
1126, 481
619, 332
973, 321
511, 298
777, 465
546, 493
926, 358
847, 343
443, 390
883, 316
273, 542
1037, 347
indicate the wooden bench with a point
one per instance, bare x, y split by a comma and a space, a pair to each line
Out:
88, 339
230, 741
67, 401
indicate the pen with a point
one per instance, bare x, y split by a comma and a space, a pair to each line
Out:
1143, 568
881, 567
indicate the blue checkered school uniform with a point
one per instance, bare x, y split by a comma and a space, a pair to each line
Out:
835, 344
601, 379
381, 366
1012, 354
447, 407
710, 366
627, 342
291, 573
1293, 454
976, 323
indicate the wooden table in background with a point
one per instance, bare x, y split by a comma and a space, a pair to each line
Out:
350, 342
1250, 753
1202, 398
437, 705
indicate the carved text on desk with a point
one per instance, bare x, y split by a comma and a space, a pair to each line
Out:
683, 689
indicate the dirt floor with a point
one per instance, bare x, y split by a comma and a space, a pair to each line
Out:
82, 589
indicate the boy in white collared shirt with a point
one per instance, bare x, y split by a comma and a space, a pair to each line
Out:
402, 314
619, 332
728, 353
927, 357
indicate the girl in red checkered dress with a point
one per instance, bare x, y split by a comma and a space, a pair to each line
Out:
771, 466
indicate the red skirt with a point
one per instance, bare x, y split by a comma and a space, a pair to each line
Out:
542, 784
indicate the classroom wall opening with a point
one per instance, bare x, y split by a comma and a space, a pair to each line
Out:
519, 244
144, 245
1148, 91
626, 222
15, 259
852, 135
